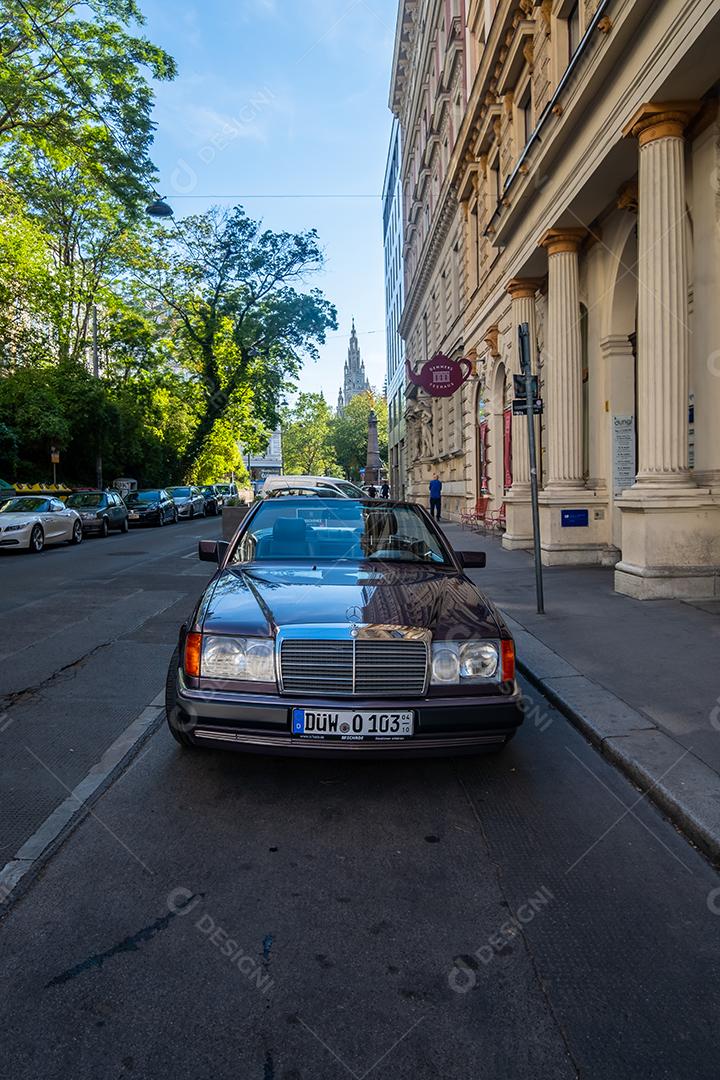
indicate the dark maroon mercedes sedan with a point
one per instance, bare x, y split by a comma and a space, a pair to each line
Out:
342, 626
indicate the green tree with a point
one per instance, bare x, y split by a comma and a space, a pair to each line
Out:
350, 431
307, 434
241, 328
73, 85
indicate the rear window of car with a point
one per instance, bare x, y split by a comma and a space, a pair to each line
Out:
91, 500
143, 497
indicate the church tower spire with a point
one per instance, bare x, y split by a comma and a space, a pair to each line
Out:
355, 380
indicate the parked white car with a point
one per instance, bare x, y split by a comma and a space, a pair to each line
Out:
32, 521
345, 487
189, 500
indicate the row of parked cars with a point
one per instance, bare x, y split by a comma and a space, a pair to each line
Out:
30, 522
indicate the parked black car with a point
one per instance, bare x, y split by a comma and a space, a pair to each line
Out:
343, 626
151, 507
213, 499
100, 511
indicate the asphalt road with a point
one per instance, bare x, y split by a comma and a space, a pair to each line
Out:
218, 916
87, 633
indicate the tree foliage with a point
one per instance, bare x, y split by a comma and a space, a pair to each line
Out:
350, 432
307, 433
74, 86
198, 330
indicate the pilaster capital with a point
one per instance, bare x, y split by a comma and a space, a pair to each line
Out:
523, 287
660, 120
556, 241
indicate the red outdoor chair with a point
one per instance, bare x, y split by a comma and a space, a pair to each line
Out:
475, 517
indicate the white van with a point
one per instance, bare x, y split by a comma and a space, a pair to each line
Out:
345, 487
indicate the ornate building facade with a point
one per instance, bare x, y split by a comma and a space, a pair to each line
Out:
560, 167
355, 381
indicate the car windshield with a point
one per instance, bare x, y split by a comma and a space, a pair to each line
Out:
142, 497
24, 505
339, 530
91, 499
224, 489
208, 489
180, 492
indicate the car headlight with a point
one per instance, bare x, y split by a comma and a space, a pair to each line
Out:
455, 663
250, 659
15, 528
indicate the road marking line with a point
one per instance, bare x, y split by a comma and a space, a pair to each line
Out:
49, 836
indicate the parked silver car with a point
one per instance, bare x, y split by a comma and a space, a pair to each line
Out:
190, 501
32, 521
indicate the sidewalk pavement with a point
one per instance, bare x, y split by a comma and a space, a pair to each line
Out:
641, 679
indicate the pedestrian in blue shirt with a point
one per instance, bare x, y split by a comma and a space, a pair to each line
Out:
435, 496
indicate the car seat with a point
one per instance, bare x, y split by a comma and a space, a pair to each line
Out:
289, 540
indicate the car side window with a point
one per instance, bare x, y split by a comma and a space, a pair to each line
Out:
55, 504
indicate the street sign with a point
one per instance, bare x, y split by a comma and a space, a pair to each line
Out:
574, 519
440, 376
519, 407
519, 386
530, 394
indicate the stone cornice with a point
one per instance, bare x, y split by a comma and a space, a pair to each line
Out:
449, 207
402, 56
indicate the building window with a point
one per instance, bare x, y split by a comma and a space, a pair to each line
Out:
573, 26
495, 187
525, 108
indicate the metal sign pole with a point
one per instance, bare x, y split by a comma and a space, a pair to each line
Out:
526, 369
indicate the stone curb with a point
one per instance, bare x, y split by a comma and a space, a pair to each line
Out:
18, 874
684, 787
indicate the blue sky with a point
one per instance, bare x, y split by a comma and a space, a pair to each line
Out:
287, 98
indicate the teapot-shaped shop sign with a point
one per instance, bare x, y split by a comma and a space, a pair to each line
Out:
441, 376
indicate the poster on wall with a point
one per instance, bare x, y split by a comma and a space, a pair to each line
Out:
623, 452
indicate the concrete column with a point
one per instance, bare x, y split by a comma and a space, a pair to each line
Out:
522, 292
518, 533
563, 361
670, 526
663, 331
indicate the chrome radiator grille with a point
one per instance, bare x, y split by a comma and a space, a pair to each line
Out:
328, 668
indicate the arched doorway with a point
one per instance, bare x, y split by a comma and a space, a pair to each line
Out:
482, 441
499, 437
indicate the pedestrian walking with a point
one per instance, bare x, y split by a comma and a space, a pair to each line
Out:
372, 491
435, 497
385, 490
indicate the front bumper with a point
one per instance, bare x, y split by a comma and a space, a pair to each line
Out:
153, 518
262, 724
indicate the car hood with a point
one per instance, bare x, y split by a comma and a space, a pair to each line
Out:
17, 519
256, 600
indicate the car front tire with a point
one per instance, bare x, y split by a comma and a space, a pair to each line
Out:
177, 731
104, 528
37, 540
77, 534
125, 527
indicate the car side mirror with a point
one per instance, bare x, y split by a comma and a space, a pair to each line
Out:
472, 559
212, 550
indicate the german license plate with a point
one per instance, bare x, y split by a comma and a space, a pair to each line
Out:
133, 517
350, 725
